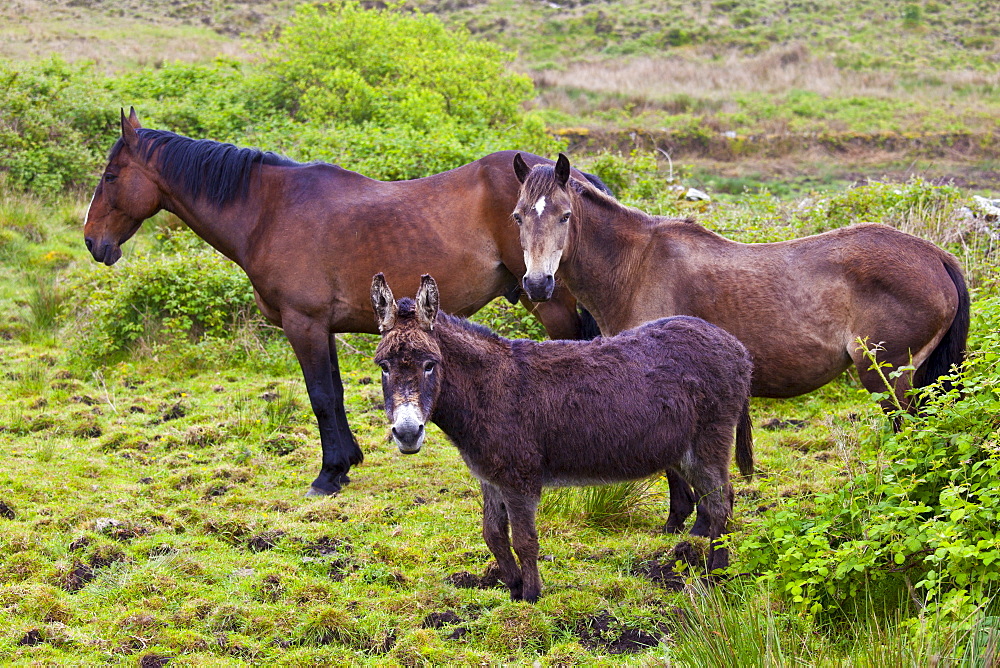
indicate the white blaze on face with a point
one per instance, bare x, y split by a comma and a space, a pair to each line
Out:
407, 419
540, 205
86, 214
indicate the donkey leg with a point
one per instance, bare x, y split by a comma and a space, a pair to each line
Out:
311, 343
495, 533
521, 510
681, 502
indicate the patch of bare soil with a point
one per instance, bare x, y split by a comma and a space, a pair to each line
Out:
604, 633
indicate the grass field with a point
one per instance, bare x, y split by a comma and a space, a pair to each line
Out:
152, 504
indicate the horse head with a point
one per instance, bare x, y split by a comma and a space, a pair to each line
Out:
124, 198
410, 358
542, 214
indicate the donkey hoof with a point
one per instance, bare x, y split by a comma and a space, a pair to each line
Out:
673, 528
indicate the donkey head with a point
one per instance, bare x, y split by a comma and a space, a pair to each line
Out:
542, 214
410, 359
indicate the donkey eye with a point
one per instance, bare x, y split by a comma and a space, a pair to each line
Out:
384, 366
429, 368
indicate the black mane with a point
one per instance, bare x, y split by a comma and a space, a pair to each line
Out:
201, 167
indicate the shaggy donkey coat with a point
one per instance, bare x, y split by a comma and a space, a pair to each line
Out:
526, 415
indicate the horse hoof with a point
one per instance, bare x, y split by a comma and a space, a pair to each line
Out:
316, 491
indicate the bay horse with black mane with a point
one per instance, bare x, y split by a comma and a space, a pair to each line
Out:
524, 415
800, 306
310, 236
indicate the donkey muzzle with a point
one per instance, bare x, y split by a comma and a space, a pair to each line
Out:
408, 430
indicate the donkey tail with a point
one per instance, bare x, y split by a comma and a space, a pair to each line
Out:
744, 441
951, 350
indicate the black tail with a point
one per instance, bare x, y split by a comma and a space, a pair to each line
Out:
951, 350
744, 442
588, 326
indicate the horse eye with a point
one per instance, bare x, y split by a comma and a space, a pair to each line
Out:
108, 178
565, 217
517, 218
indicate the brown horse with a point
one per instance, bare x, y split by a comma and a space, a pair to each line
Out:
310, 236
524, 415
799, 306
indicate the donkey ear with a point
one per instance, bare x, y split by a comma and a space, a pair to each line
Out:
129, 134
521, 168
562, 170
133, 118
428, 301
383, 304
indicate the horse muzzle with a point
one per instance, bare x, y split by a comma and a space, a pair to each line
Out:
106, 252
539, 287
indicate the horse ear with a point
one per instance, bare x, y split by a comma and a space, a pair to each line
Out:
562, 170
428, 300
133, 118
383, 303
129, 134
521, 168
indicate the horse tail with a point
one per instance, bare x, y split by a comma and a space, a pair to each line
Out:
589, 328
744, 441
951, 349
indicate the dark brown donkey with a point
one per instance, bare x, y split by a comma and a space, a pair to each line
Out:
310, 236
798, 306
526, 415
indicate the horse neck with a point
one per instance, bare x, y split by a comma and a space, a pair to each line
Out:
477, 370
605, 249
228, 228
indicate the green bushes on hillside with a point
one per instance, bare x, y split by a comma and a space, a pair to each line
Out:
387, 93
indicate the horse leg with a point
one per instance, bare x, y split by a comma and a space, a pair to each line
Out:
495, 533
311, 343
521, 510
340, 413
873, 381
558, 315
715, 503
681, 503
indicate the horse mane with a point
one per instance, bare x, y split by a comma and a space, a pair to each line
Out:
202, 167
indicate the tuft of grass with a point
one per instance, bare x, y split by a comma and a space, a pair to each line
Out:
603, 505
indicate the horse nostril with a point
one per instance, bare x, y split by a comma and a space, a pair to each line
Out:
89, 242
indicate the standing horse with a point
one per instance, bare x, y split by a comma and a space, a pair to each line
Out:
799, 306
526, 415
310, 236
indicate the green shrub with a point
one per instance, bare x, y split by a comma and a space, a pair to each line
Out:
187, 292
56, 122
922, 518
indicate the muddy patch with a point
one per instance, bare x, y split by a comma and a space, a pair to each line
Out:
467, 580
267, 540
604, 633
6, 511
77, 577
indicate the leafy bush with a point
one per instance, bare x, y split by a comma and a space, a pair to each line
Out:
920, 521
55, 124
397, 95
188, 291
